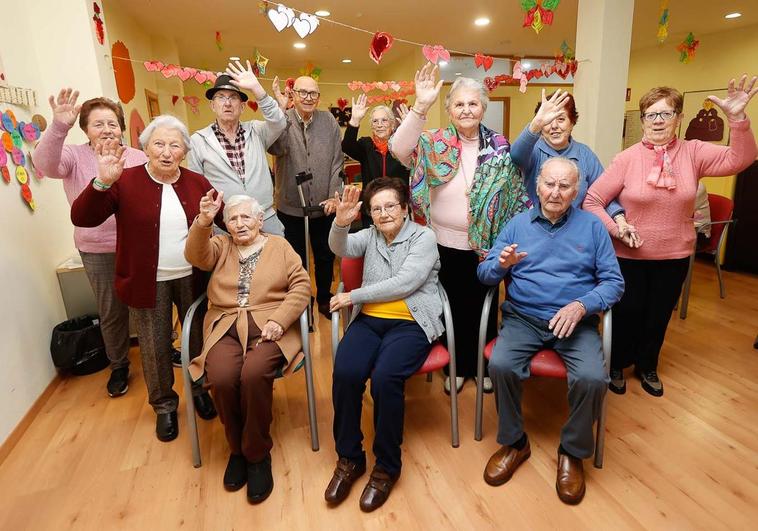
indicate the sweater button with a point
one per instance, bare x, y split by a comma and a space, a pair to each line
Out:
414, 309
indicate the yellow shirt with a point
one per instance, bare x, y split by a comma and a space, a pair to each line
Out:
388, 310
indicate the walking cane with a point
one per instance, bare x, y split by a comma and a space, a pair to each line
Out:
301, 178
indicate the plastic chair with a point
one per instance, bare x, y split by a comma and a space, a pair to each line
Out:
438, 357
722, 209
306, 362
546, 363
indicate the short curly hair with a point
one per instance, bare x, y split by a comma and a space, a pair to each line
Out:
396, 184
100, 103
672, 96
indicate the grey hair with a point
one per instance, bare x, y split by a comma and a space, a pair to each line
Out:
387, 111
240, 199
562, 160
468, 83
169, 122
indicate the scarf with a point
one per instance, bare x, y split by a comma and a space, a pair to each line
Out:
662, 174
497, 191
380, 144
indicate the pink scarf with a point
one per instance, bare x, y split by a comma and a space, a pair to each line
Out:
662, 175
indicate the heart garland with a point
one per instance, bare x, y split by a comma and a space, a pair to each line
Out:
521, 78
435, 53
380, 44
184, 73
481, 60
368, 86
283, 17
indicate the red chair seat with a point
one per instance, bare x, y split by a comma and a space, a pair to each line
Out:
438, 358
545, 363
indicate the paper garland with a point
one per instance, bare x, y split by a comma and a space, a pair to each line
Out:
663, 22
435, 53
284, 17
183, 73
484, 61
539, 13
562, 68
380, 44
687, 48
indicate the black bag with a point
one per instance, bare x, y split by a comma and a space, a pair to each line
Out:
77, 345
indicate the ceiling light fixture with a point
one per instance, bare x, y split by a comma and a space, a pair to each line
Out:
234, 58
299, 45
733, 15
458, 74
442, 63
482, 21
347, 60
526, 65
322, 13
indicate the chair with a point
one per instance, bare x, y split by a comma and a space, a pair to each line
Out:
438, 357
352, 171
306, 362
722, 209
545, 363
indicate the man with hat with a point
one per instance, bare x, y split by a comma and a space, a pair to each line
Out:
232, 154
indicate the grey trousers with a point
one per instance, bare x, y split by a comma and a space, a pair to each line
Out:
520, 338
114, 314
154, 327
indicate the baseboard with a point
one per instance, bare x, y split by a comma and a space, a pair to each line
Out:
12, 440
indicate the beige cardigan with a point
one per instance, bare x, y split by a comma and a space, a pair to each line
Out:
279, 291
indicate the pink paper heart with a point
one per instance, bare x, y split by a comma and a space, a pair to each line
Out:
354, 85
381, 85
430, 52
522, 86
183, 74
395, 86
367, 87
153, 66
442, 53
517, 73
170, 71
200, 77
211, 76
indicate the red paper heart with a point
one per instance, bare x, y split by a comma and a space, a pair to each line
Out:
430, 52
153, 66
380, 43
290, 83
170, 71
253, 105
174, 99
342, 104
200, 77
367, 87
488, 62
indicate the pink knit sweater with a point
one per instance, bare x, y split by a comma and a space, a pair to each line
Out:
76, 165
664, 217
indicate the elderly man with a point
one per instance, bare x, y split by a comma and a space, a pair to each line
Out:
232, 154
309, 146
563, 271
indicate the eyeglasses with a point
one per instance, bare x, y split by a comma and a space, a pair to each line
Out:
653, 116
308, 94
389, 208
227, 99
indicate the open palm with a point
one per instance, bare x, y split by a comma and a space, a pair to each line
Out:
349, 206
737, 98
110, 161
427, 87
65, 109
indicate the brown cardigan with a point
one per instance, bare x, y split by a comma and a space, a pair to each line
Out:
280, 291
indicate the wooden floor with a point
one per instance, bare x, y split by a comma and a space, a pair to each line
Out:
687, 460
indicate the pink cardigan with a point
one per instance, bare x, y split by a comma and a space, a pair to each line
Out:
76, 165
664, 217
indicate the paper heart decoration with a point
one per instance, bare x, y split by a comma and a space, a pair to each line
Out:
170, 71
282, 17
342, 104
435, 53
153, 66
174, 99
305, 25
380, 44
193, 102
186, 73
6, 174
354, 85
367, 87
394, 86
253, 105
517, 72
381, 85
200, 77
483, 61
522, 85
490, 83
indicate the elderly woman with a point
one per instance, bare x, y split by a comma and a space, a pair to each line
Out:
257, 291
154, 206
396, 316
655, 181
75, 164
466, 187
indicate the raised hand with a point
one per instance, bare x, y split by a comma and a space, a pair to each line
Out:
209, 207
360, 108
349, 206
565, 320
111, 156
549, 110
402, 111
509, 257
427, 87
65, 109
282, 99
736, 98
244, 78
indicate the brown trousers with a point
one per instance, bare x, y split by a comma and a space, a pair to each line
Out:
242, 385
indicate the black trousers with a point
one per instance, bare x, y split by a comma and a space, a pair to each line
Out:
323, 257
466, 294
641, 317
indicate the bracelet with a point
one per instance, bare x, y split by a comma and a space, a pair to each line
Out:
421, 115
100, 185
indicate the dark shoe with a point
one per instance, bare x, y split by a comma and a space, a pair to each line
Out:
344, 476
118, 383
323, 309
176, 358
617, 383
650, 382
504, 463
377, 490
235, 475
166, 426
570, 481
204, 406
260, 482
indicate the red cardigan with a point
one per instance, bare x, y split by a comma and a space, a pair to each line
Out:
135, 199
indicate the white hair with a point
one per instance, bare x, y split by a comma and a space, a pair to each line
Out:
242, 199
387, 111
169, 122
468, 83
559, 160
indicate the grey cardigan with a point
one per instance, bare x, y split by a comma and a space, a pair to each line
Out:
317, 149
208, 158
406, 269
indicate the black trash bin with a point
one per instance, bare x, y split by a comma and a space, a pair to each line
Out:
77, 345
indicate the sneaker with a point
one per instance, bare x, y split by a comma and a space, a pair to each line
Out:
458, 384
487, 385
650, 382
617, 383
176, 358
118, 383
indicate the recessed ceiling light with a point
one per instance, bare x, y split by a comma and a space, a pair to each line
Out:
322, 13
234, 58
347, 60
442, 63
458, 74
733, 15
526, 65
482, 21
299, 45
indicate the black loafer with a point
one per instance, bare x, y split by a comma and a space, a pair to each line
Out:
235, 475
617, 383
118, 383
167, 426
260, 482
204, 406
323, 309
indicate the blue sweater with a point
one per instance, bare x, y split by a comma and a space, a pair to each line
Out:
572, 260
530, 151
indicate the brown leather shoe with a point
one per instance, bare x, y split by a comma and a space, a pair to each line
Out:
504, 463
345, 474
377, 490
570, 482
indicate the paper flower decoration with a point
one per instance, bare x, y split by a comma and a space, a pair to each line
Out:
380, 44
687, 48
663, 21
260, 64
539, 13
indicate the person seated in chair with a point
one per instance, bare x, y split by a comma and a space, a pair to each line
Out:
562, 270
257, 291
395, 318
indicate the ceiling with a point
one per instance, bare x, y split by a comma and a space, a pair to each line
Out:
193, 23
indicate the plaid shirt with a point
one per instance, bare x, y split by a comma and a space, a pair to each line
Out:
235, 152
